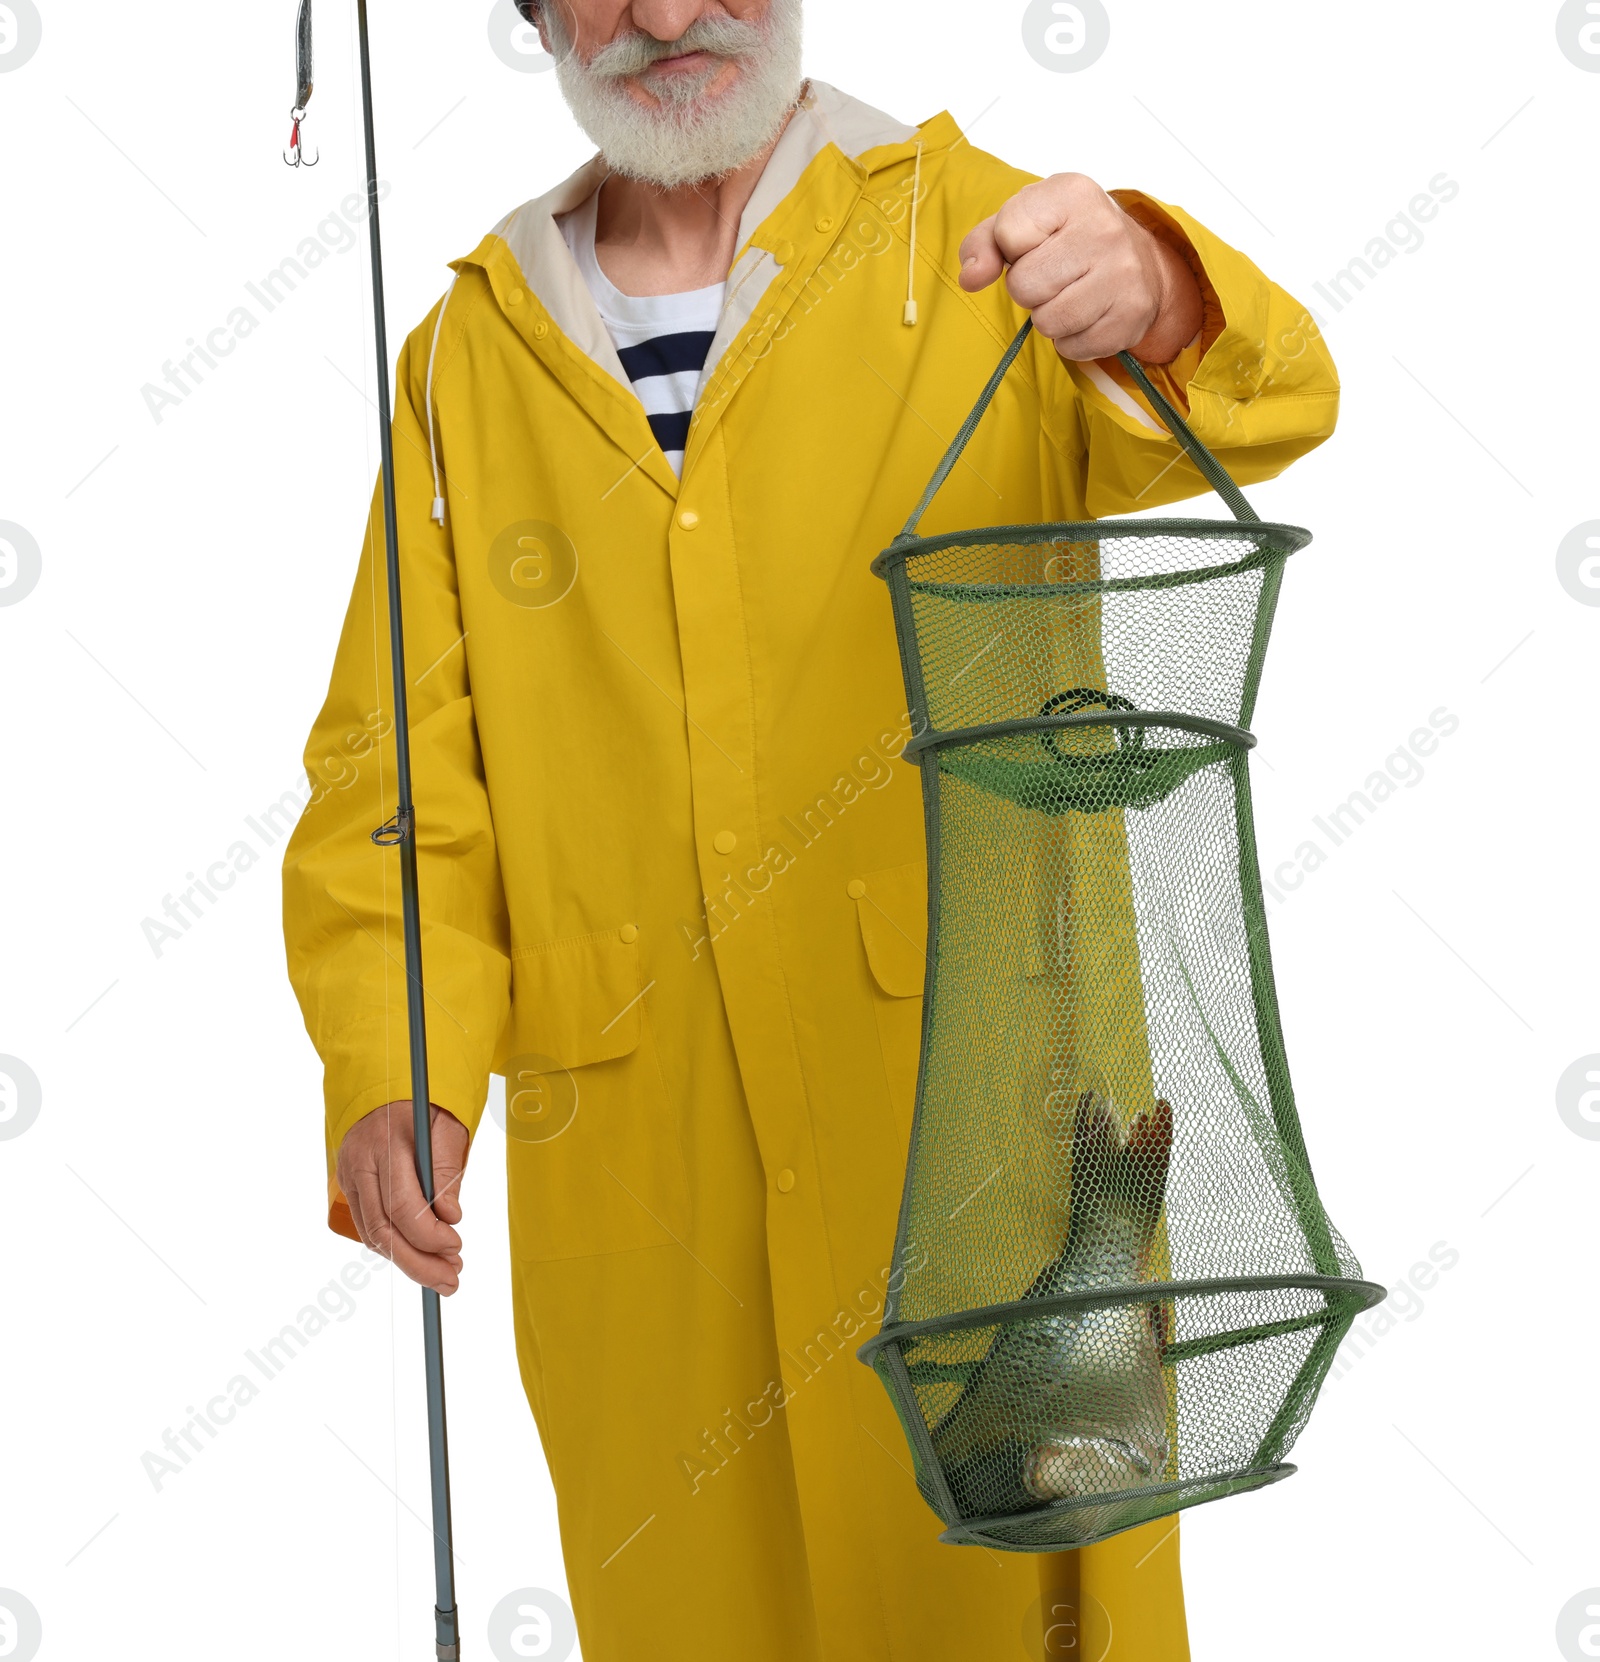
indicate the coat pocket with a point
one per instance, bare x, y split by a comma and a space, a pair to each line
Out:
892, 911
594, 1160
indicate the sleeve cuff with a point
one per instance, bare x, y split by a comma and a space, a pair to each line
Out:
339, 1219
1171, 379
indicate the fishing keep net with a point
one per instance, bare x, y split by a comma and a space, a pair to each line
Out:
1115, 1291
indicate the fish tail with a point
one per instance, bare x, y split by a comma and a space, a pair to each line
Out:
1147, 1154
1096, 1147
1117, 1172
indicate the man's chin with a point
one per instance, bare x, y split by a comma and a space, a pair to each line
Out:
672, 146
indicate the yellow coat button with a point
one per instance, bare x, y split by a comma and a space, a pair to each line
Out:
514, 297
629, 933
856, 888
541, 329
825, 225
724, 842
688, 519
783, 253
785, 1180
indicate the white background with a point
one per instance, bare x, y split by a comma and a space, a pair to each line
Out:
165, 1212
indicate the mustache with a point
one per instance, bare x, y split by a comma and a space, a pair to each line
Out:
722, 37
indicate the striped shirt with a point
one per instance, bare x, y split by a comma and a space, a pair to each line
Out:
662, 339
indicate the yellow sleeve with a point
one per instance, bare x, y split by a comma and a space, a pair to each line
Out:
1258, 386
341, 892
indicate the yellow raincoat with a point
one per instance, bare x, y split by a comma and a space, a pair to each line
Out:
673, 879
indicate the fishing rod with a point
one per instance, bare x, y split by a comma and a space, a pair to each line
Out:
400, 832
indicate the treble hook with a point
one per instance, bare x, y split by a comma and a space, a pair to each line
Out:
295, 154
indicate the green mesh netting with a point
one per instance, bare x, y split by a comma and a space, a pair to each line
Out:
1115, 1292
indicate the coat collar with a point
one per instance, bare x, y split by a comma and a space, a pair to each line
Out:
544, 263
526, 255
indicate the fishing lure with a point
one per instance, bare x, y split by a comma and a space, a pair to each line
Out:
295, 154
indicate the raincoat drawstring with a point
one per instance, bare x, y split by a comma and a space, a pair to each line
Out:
911, 263
433, 443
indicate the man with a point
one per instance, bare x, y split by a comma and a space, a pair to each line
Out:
673, 880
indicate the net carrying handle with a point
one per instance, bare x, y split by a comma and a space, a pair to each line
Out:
1215, 474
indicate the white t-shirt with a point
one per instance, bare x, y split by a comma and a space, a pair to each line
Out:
662, 339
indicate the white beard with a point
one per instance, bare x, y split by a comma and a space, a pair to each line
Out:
685, 138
